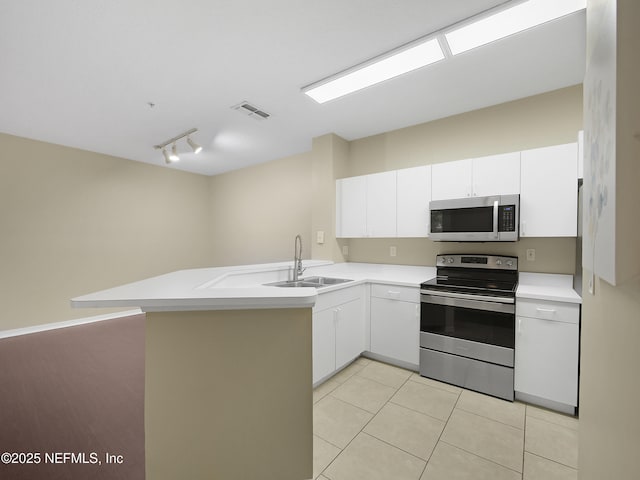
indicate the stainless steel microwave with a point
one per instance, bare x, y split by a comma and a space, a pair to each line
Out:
475, 219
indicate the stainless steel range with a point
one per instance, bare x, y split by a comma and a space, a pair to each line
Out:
467, 323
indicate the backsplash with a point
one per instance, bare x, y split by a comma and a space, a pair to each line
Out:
552, 255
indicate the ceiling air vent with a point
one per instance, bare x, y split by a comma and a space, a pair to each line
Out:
251, 111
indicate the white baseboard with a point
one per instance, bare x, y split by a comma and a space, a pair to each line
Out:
69, 323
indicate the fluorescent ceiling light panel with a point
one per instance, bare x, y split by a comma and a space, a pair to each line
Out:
388, 67
507, 22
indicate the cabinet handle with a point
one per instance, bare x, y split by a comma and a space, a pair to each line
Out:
418, 311
545, 310
393, 293
519, 326
522, 229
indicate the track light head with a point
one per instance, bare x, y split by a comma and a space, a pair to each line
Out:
174, 154
196, 148
167, 157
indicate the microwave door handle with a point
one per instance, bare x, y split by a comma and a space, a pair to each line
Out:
495, 219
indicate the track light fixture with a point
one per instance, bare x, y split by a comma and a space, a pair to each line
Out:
170, 157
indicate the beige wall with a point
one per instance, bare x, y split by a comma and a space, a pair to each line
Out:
610, 342
609, 439
553, 255
548, 119
74, 222
256, 212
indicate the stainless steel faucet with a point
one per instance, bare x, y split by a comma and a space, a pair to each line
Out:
297, 259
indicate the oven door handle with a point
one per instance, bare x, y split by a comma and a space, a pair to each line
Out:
471, 304
468, 296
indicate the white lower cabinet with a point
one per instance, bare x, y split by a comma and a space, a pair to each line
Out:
395, 323
324, 344
338, 330
546, 352
350, 328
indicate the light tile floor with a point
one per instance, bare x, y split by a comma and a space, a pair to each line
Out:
375, 421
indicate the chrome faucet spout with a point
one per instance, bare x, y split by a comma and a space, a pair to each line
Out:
297, 258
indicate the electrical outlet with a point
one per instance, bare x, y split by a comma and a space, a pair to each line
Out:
531, 254
320, 237
345, 250
393, 251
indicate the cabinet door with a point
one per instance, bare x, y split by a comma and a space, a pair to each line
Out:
413, 196
451, 180
546, 359
549, 191
350, 327
351, 207
324, 343
496, 175
381, 204
395, 329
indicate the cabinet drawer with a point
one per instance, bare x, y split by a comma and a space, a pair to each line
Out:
337, 297
395, 292
548, 310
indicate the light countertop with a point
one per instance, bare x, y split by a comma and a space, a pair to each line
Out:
547, 286
242, 287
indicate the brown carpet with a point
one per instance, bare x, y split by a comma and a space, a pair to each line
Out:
74, 395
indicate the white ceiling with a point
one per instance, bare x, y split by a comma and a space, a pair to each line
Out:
82, 72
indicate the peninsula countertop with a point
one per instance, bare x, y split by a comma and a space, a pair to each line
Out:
242, 287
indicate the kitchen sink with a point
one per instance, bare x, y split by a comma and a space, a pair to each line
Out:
326, 281
316, 282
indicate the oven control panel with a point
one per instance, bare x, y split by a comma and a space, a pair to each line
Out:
477, 261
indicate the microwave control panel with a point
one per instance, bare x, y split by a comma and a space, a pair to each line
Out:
507, 218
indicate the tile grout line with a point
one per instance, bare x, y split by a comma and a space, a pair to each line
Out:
480, 456
549, 421
552, 461
493, 420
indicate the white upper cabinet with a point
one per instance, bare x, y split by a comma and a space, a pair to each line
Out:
351, 207
413, 197
496, 175
396, 203
381, 204
451, 179
477, 177
549, 191
366, 206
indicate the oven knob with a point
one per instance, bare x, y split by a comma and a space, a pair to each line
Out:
450, 260
498, 262
509, 263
